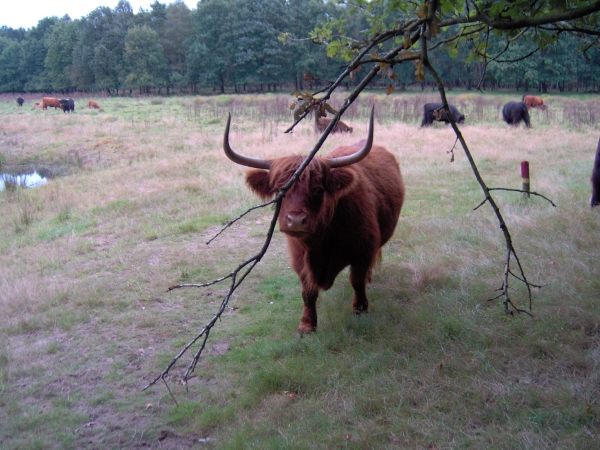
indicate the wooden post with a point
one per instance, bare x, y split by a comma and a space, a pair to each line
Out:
525, 177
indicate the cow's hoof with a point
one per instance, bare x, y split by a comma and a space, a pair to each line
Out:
304, 329
361, 310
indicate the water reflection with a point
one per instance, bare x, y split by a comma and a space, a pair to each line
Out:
29, 180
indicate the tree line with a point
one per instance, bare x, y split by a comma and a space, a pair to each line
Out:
248, 46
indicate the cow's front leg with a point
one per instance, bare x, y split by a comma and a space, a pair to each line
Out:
308, 323
358, 279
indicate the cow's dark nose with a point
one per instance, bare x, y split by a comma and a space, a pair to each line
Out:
295, 221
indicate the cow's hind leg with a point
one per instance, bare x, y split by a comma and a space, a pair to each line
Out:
308, 322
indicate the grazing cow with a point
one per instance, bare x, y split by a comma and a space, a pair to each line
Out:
435, 111
533, 101
323, 122
67, 105
20, 101
596, 179
93, 104
51, 102
514, 112
340, 212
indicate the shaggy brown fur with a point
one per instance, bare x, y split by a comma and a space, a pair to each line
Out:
334, 218
533, 101
51, 102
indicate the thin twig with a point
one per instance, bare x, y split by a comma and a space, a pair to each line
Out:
523, 192
520, 58
169, 389
456, 37
452, 150
513, 190
539, 286
485, 63
232, 221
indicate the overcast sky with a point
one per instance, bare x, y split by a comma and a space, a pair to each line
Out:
27, 13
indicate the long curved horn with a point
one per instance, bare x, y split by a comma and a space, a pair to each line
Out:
256, 163
359, 155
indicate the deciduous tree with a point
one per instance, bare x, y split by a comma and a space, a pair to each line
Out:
211, 55
59, 59
33, 55
11, 79
145, 63
175, 38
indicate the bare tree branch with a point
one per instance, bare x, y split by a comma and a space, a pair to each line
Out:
457, 37
356, 5
516, 59
234, 285
571, 29
524, 192
408, 57
487, 38
510, 24
510, 250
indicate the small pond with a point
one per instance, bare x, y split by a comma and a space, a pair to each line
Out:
24, 176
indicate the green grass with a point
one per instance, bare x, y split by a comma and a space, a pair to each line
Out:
88, 321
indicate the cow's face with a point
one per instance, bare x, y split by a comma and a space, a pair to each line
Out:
309, 205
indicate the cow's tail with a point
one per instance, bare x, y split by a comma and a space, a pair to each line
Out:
376, 263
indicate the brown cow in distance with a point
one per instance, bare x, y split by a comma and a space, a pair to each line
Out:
51, 102
93, 104
323, 122
533, 101
339, 213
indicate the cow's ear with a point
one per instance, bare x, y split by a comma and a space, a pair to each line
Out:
340, 181
258, 181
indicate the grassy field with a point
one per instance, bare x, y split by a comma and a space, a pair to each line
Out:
86, 260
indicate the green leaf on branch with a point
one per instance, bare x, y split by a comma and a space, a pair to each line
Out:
334, 49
